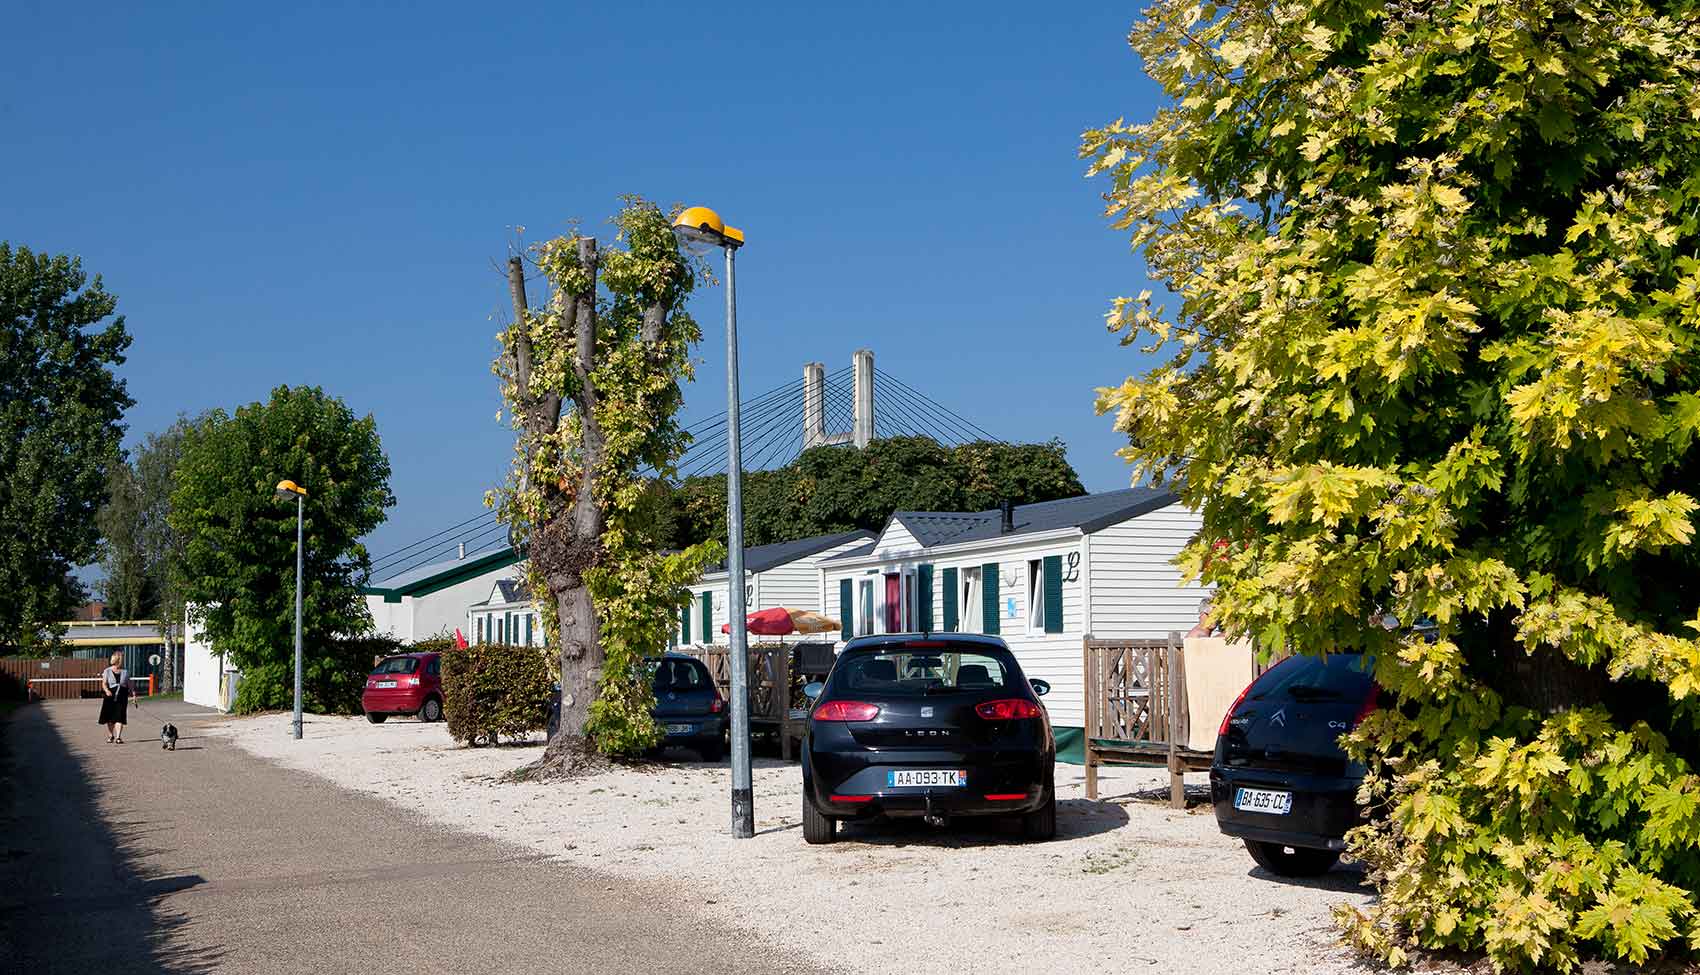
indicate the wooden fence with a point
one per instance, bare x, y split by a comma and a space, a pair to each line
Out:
17, 672
1136, 710
770, 683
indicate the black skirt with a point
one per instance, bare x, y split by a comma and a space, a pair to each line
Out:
115, 709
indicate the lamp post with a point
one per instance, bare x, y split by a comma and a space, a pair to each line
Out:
699, 228
285, 491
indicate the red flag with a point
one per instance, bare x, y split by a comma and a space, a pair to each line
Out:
460, 641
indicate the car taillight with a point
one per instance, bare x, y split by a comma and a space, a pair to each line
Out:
1368, 707
1007, 710
846, 711
715, 705
1222, 732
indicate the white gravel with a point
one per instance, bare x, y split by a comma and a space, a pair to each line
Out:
1128, 885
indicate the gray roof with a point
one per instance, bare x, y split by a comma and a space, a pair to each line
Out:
761, 558
145, 632
512, 590
1088, 513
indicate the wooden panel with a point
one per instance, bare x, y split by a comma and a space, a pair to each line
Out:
16, 672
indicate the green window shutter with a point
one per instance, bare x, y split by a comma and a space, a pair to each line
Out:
951, 614
989, 607
685, 623
708, 616
1053, 594
846, 610
924, 595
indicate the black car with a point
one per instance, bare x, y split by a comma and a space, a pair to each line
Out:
1280, 780
688, 706
936, 726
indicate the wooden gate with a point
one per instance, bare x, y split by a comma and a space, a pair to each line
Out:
769, 675
50, 674
1136, 711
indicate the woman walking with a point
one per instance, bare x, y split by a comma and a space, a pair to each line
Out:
115, 699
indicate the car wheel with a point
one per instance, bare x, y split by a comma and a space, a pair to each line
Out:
1041, 824
818, 827
712, 750
431, 710
375, 718
1291, 861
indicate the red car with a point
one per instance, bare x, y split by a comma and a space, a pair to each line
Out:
409, 683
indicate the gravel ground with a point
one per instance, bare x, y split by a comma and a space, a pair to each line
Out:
1128, 883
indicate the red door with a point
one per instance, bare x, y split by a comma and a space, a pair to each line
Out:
894, 604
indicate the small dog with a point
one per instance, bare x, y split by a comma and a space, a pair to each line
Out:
168, 737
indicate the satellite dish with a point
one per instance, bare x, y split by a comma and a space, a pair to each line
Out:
154, 660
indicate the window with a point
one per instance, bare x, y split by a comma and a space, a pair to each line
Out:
901, 672
973, 605
865, 606
1035, 596
397, 665
434, 668
528, 618
480, 628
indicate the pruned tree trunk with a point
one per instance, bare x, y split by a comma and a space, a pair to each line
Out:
567, 543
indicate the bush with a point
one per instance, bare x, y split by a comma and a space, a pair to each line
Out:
492, 691
333, 675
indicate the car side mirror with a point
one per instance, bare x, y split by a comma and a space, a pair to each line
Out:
812, 690
1040, 687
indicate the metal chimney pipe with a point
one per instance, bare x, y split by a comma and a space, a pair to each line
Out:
1008, 509
462, 554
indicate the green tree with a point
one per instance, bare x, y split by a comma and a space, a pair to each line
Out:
592, 380
837, 488
237, 562
1434, 352
127, 588
61, 412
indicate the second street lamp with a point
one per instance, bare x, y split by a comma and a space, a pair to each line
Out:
285, 491
698, 228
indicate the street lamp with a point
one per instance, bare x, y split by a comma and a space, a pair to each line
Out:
700, 229
285, 491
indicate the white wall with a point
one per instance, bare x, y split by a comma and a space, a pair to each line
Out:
435, 613
202, 672
1136, 588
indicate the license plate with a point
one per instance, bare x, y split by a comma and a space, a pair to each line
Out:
924, 777
680, 729
385, 683
1263, 801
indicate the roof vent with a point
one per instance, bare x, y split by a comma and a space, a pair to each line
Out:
462, 554
1008, 509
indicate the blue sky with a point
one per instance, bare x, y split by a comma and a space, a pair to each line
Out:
314, 194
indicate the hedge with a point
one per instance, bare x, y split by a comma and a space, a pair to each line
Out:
493, 691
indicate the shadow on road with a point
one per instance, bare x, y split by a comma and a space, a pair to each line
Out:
75, 894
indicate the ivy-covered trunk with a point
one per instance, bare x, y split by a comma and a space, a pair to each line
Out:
593, 384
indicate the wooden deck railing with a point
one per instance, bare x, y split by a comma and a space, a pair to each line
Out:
1136, 710
769, 674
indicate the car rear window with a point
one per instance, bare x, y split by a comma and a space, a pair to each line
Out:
680, 675
906, 672
397, 665
1339, 676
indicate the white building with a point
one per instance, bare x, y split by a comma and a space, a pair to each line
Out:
1042, 576
782, 575
432, 600
506, 616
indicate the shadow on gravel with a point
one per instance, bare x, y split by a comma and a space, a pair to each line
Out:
74, 895
1345, 878
1075, 818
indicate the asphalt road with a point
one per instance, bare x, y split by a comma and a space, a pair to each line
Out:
131, 859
